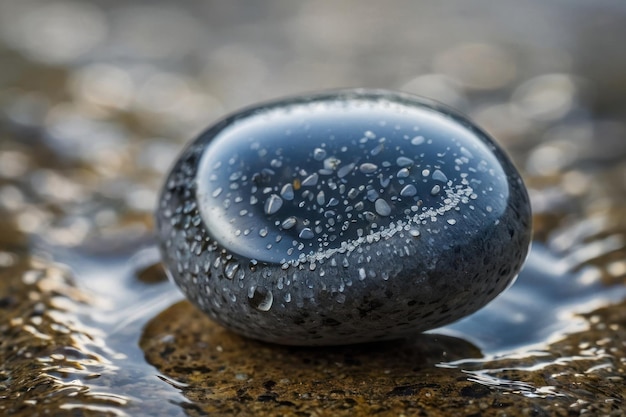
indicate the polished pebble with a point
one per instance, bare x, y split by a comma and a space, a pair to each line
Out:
342, 217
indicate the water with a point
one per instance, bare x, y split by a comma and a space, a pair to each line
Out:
119, 306
92, 115
543, 304
542, 307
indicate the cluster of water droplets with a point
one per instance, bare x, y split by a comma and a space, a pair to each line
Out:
317, 195
339, 197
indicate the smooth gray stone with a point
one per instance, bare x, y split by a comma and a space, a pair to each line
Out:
291, 221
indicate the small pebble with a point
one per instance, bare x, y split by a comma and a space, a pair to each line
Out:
288, 222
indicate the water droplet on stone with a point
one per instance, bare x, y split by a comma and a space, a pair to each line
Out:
403, 173
439, 176
287, 192
382, 207
273, 204
369, 216
408, 191
289, 222
378, 149
345, 170
372, 195
252, 265
331, 163
230, 269
403, 161
362, 274
319, 154
261, 299
306, 233
321, 199
368, 168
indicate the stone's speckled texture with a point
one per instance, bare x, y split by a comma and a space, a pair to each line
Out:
343, 217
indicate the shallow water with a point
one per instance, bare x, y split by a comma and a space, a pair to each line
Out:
545, 304
108, 309
90, 124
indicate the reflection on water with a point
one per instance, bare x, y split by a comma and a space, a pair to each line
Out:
541, 308
96, 99
543, 304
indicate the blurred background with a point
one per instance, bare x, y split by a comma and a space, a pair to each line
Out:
191, 61
115, 88
98, 97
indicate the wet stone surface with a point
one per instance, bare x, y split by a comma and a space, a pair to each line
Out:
343, 217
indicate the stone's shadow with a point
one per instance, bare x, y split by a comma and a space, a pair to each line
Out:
219, 370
